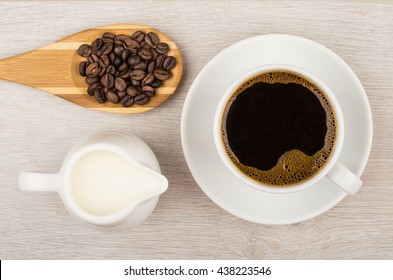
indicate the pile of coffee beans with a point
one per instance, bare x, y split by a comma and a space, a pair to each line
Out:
125, 69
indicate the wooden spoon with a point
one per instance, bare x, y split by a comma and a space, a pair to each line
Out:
54, 68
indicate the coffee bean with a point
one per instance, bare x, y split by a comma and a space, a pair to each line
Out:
84, 50
134, 59
120, 84
107, 80
131, 44
82, 68
93, 87
99, 94
162, 48
145, 54
169, 63
138, 36
160, 60
151, 66
93, 70
123, 66
137, 74
140, 66
126, 40
108, 35
91, 80
102, 72
90, 60
111, 69
162, 74
108, 40
156, 83
93, 58
125, 55
104, 60
148, 90
127, 101
107, 48
112, 97
135, 83
133, 91
133, 51
118, 61
141, 99
149, 94
148, 79
97, 44
121, 94
144, 45
112, 57
118, 49
155, 54
125, 74
151, 39
119, 39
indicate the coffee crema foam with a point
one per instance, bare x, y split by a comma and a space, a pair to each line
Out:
293, 166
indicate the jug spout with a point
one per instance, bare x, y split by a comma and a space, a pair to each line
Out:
150, 187
140, 209
162, 185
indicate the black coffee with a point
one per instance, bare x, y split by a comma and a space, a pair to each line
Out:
279, 128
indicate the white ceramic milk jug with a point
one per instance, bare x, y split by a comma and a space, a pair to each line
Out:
111, 180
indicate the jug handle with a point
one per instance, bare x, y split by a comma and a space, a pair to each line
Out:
33, 181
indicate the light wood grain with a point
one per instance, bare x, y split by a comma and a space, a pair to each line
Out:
54, 68
37, 129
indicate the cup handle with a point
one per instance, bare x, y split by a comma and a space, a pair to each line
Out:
344, 178
33, 181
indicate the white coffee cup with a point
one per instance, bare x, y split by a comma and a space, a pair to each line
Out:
113, 147
333, 169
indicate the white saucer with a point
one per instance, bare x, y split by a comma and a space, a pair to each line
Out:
197, 127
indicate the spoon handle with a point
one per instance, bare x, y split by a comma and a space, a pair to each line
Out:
44, 68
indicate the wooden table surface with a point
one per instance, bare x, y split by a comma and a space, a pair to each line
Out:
37, 129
